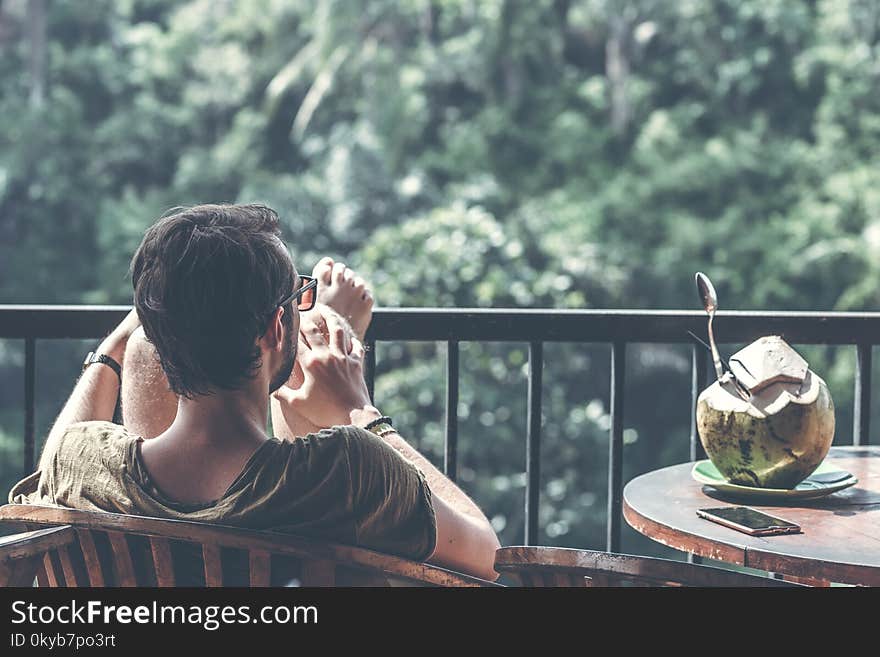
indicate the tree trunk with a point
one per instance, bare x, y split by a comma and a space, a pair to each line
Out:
36, 34
507, 79
430, 22
617, 72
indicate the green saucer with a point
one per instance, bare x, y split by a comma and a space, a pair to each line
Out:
706, 473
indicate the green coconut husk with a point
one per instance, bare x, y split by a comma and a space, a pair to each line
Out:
775, 439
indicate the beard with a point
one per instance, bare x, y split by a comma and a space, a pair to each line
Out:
286, 367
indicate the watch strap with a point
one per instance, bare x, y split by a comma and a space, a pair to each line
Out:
382, 429
104, 359
384, 419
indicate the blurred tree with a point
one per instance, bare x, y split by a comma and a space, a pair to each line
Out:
555, 153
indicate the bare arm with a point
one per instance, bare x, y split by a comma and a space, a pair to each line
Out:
148, 405
465, 538
94, 395
440, 484
334, 392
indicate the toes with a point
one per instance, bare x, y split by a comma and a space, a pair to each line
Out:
322, 270
368, 297
338, 272
348, 277
359, 283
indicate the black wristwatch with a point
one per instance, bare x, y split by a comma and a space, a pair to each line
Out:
93, 357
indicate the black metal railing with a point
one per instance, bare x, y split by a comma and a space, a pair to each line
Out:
535, 327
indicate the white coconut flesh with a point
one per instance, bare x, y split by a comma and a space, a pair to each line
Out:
773, 440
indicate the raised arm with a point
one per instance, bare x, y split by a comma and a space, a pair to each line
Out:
95, 393
334, 392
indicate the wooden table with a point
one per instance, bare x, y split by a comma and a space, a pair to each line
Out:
841, 532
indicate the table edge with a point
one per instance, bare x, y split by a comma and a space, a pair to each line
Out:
742, 555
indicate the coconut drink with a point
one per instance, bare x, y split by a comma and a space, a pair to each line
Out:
768, 421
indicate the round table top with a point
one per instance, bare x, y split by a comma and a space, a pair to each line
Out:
841, 532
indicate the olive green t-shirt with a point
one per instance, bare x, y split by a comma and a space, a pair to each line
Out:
342, 484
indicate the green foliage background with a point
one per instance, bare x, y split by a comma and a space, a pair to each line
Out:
504, 153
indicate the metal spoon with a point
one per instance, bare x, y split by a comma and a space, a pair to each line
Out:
710, 304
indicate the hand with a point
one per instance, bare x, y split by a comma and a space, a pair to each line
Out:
330, 363
114, 344
128, 325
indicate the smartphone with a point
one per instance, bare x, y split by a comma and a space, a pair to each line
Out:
749, 521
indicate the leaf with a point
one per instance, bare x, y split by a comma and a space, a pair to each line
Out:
292, 72
322, 84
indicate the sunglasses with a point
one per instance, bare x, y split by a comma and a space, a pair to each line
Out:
305, 296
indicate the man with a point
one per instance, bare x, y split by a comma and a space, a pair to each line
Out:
219, 299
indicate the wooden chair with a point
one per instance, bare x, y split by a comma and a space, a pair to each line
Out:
69, 547
562, 567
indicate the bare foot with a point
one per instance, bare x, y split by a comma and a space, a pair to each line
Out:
346, 292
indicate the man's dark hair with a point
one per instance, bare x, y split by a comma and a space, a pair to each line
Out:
206, 281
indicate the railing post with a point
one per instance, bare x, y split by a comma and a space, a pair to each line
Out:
533, 441
620, 328
615, 447
370, 368
30, 378
450, 458
699, 362
862, 396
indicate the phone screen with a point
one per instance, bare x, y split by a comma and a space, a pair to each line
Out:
748, 517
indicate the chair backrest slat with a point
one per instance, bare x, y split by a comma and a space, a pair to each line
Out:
120, 550
567, 567
90, 556
34, 554
213, 565
67, 567
42, 580
568, 580
319, 573
162, 561
21, 571
122, 564
529, 579
260, 567
49, 568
